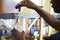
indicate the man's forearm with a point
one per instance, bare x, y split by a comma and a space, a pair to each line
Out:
47, 17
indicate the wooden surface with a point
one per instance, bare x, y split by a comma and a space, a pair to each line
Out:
1, 9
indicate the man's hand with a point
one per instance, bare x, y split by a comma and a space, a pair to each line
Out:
18, 35
27, 3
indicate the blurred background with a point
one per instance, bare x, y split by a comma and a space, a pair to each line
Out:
30, 22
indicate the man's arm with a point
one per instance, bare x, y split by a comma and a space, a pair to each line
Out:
55, 23
51, 20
